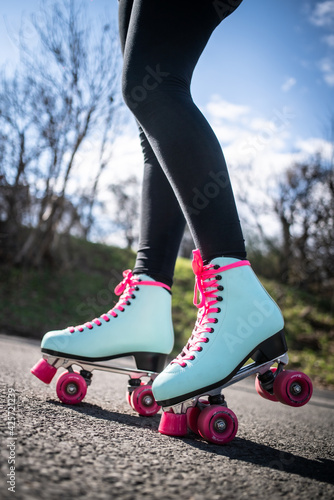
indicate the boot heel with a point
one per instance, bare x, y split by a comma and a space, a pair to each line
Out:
150, 361
271, 348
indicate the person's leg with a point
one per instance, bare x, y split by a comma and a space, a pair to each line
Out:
163, 43
162, 222
141, 321
161, 225
237, 319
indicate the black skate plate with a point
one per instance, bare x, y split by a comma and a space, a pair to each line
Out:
148, 361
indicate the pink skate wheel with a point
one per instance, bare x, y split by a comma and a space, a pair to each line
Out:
293, 388
128, 398
261, 391
142, 400
128, 395
71, 388
173, 424
44, 371
217, 424
193, 414
192, 418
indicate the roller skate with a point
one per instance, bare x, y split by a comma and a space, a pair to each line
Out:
139, 325
237, 320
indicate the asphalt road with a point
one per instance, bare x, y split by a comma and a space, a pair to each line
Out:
101, 449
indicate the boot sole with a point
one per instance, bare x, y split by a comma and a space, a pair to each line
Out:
267, 350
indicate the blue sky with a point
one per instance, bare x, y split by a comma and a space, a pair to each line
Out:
267, 55
270, 55
265, 81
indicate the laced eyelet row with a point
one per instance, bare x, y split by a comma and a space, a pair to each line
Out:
205, 298
206, 284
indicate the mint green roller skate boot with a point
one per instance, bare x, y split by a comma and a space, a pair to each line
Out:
139, 325
237, 320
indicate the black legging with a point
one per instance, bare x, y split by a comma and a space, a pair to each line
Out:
185, 173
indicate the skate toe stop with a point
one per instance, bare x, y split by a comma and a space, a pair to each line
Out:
44, 371
173, 424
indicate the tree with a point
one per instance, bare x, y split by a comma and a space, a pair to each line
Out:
62, 102
302, 253
126, 215
305, 207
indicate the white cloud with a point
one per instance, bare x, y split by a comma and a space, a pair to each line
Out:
329, 40
323, 14
126, 158
326, 65
262, 142
259, 124
227, 133
288, 84
220, 109
313, 145
258, 150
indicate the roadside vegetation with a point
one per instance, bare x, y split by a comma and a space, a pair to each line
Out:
61, 112
34, 301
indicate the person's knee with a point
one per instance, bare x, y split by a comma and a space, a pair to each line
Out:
132, 89
141, 87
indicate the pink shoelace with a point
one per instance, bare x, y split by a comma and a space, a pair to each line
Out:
207, 286
125, 289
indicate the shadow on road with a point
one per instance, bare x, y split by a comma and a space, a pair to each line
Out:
240, 449
269, 457
96, 411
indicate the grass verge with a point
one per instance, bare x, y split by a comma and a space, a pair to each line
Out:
35, 301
